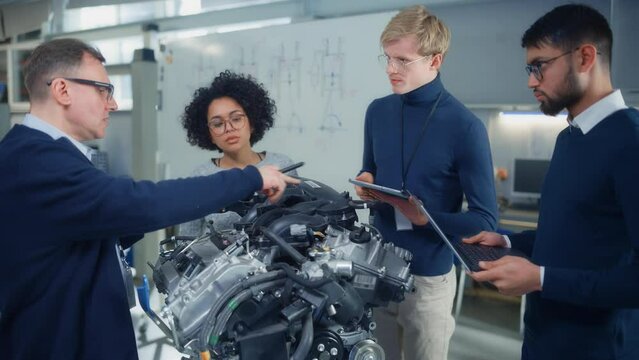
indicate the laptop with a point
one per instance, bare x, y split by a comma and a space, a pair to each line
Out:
469, 255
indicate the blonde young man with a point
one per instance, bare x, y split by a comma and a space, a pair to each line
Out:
424, 140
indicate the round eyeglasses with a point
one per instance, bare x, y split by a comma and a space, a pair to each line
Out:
235, 122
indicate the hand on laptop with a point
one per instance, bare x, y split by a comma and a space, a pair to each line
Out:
487, 238
512, 275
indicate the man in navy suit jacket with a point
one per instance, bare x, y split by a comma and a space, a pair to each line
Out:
582, 279
62, 294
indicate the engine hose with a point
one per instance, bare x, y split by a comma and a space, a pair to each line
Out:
298, 279
306, 340
227, 311
184, 238
209, 322
225, 314
361, 204
286, 247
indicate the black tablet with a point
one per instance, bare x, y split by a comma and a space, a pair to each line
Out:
403, 194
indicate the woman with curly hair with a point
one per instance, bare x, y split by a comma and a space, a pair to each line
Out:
230, 116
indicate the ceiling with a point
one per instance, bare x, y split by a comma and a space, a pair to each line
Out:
11, 2
22, 16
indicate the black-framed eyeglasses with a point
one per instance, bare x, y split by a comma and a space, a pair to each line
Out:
535, 67
236, 121
104, 88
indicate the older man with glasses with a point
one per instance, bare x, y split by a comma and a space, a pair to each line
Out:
582, 278
63, 221
424, 140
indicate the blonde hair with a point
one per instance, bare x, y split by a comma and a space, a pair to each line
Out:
433, 37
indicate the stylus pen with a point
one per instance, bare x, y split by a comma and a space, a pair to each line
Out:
291, 167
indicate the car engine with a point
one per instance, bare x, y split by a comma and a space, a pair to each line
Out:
292, 280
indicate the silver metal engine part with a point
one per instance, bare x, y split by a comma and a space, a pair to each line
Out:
298, 280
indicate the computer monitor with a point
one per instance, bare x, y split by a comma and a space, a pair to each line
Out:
528, 177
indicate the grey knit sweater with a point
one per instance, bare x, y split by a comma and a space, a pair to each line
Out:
222, 221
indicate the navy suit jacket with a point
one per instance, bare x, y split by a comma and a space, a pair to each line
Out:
62, 295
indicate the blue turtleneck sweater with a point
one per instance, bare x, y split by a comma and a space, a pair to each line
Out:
452, 160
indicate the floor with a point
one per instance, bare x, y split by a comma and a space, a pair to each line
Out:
487, 329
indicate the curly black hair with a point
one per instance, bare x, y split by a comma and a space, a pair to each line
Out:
252, 97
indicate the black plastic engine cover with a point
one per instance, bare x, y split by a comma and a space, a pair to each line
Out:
267, 343
310, 197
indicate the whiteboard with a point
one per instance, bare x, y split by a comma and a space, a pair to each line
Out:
324, 73
321, 75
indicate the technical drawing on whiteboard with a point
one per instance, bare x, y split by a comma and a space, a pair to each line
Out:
247, 67
330, 74
285, 77
203, 72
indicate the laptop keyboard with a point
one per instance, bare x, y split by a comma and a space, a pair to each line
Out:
473, 253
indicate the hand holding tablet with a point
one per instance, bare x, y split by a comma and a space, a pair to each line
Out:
400, 199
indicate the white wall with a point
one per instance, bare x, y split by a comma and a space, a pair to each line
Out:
321, 75
484, 69
485, 64
625, 58
118, 143
521, 136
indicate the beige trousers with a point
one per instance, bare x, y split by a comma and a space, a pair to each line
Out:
425, 318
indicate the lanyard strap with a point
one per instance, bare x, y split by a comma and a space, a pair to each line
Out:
421, 136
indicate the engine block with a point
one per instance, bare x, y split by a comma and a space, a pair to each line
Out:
292, 280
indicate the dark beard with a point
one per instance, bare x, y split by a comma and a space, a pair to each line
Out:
566, 97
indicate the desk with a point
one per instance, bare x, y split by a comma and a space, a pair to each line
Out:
515, 220
518, 219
